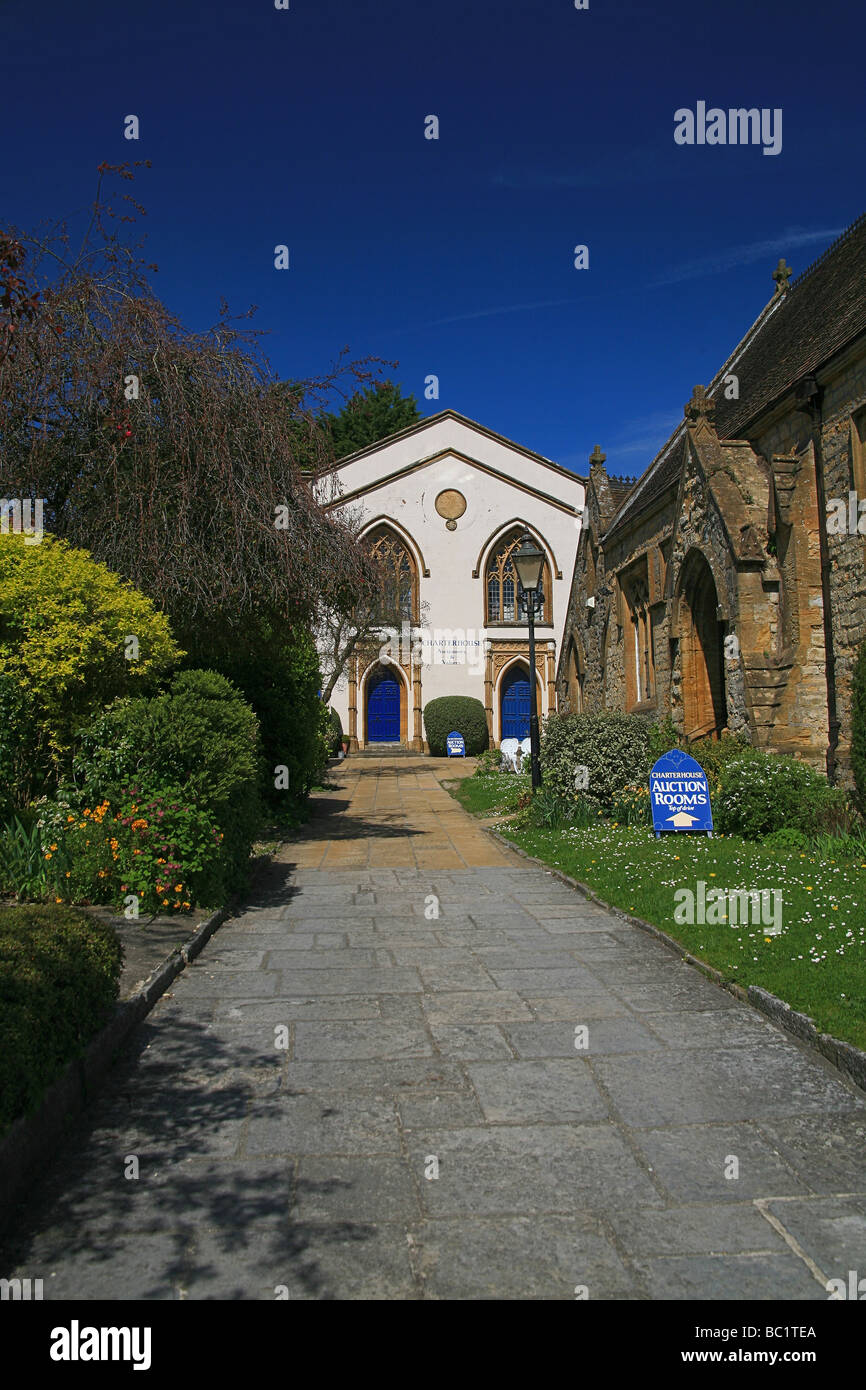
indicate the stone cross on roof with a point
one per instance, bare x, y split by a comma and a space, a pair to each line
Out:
597, 457
782, 275
700, 407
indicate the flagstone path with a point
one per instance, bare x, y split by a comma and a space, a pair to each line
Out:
368, 1087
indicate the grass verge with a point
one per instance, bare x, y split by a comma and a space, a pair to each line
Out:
497, 794
817, 963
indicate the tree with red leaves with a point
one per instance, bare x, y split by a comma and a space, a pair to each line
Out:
176, 457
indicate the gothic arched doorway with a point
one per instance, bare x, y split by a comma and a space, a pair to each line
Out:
701, 652
385, 706
514, 702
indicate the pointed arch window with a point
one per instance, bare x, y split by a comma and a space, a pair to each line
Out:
640, 665
505, 601
398, 576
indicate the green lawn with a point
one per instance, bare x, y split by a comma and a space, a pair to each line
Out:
495, 795
817, 963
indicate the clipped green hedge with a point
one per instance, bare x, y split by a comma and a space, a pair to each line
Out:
617, 750
336, 729
59, 978
461, 714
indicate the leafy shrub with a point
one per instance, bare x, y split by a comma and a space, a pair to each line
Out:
26, 867
836, 816
336, 727
837, 847
66, 620
276, 669
20, 777
488, 763
163, 850
631, 806
59, 975
714, 755
662, 737
787, 839
547, 810
858, 727
196, 746
761, 793
615, 748
462, 714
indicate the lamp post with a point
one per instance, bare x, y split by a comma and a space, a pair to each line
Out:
529, 563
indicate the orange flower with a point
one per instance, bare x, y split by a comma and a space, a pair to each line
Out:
178, 888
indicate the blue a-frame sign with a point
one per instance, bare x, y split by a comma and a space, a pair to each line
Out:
680, 795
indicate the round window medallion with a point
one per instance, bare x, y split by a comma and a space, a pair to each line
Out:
450, 504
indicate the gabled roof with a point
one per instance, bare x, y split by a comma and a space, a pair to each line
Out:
455, 415
794, 333
822, 312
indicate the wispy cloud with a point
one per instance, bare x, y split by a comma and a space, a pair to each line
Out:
644, 435
502, 309
747, 254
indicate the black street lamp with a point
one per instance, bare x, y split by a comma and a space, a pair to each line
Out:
529, 563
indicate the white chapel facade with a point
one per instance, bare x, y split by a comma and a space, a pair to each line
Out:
443, 505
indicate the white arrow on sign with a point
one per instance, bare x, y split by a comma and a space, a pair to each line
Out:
683, 818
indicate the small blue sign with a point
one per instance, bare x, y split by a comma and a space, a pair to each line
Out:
680, 794
456, 745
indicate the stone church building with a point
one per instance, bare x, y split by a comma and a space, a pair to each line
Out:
727, 587
442, 506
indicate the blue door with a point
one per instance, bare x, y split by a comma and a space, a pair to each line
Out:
383, 710
515, 703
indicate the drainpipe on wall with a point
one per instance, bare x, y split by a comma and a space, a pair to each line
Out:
809, 401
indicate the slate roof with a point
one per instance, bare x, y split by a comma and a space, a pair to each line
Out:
821, 312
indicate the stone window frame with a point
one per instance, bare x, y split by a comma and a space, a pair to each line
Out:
500, 577
399, 588
640, 672
858, 452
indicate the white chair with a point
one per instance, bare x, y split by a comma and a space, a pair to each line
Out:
510, 748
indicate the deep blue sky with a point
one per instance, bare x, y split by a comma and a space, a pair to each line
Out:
306, 127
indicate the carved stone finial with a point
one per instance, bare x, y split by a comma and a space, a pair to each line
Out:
597, 457
700, 407
782, 275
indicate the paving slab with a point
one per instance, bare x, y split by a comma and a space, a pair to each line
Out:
347, 1097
